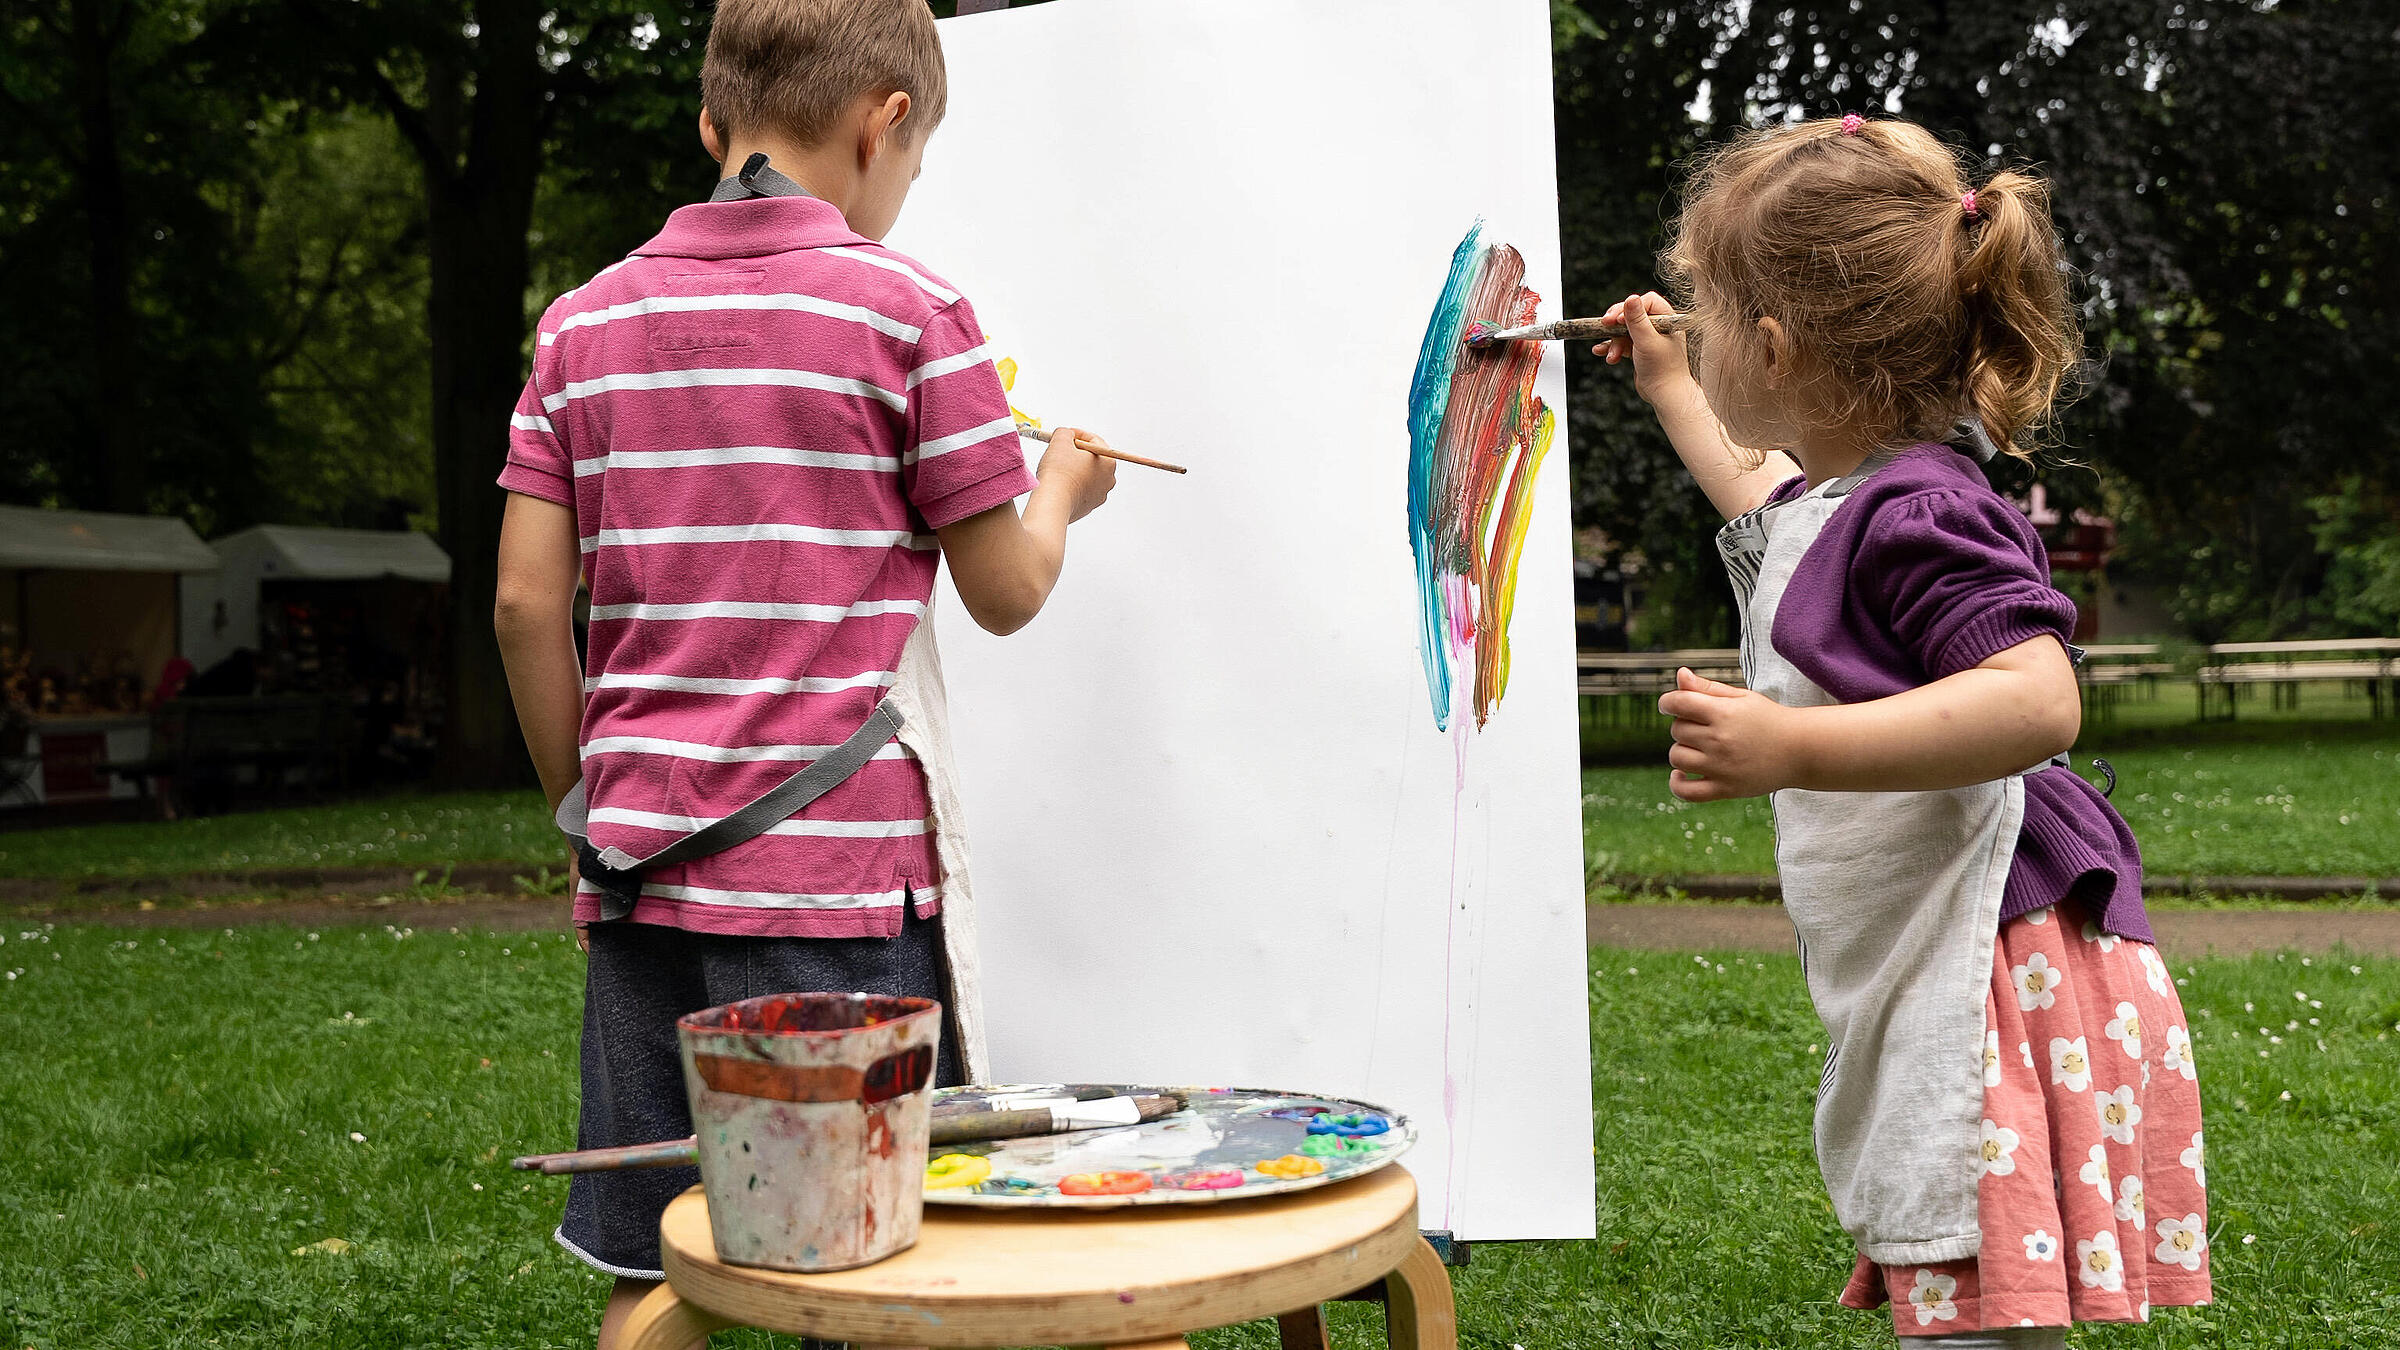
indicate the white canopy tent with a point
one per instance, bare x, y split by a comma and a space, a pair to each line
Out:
222, 614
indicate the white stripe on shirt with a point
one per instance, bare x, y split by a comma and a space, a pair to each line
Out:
528, 422
706, 895
813, 829
734, 454
960, 440
723, 754
748, 609
689, 379
697, 684
972, 356
688, 304
759, 534
924, 283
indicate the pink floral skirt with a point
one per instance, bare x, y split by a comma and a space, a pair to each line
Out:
2092, 1197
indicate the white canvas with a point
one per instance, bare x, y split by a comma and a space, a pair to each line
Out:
1217, 837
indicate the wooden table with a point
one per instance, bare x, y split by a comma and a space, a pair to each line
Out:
1135, 1277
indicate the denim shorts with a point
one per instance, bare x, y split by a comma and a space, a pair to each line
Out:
638, 980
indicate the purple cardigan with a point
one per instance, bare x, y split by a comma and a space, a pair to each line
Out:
1924, 571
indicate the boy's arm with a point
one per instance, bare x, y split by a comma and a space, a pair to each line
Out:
534, 618
1004, 566
1662, 375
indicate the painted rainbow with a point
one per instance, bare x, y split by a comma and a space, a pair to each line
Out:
1476, 438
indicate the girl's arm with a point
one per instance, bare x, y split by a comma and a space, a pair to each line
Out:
534, 618
1662, 375
2016, 709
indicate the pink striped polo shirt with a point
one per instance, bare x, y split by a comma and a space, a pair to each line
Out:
759, 418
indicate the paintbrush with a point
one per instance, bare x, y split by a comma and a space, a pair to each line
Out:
1483, 333
1095, 448
948, 1127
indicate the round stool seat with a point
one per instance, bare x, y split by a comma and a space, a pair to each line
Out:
982, 1277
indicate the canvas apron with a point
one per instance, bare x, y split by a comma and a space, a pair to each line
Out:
1896, 900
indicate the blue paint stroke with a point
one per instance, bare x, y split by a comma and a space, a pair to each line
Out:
1428, 399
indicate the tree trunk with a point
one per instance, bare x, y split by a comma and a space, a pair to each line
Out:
477, 219
110, 361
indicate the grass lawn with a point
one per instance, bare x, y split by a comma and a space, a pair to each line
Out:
410, 830
184, 1111
2249, 799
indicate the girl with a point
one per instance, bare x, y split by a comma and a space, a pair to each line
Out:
2008, 1123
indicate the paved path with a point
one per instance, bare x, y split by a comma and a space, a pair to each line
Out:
2231, 932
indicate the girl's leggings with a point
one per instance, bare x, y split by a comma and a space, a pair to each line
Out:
2008, 1338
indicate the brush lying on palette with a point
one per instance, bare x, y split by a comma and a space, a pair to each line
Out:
1092, 1145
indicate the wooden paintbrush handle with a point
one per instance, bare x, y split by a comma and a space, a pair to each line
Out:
1598, 329
1093, 448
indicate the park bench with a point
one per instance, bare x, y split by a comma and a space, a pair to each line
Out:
2110, 671
2283, 667
1623, 687
219, 747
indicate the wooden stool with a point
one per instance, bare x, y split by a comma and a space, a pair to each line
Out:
1138, 1276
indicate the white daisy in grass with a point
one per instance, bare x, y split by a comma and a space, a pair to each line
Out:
1991, 1059
2119, 1113
2041, 1246
2179, 1056
2025, 1052
2037, 982
2126, 1029
2196, 1158
2100, 937
2099, 1264
2154, 969
2181, 1242
1999, 1154
2041, 915
2132, 1204
2095, 1173
2070, 1063
1932, 1297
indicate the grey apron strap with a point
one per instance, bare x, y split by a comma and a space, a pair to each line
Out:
778, 803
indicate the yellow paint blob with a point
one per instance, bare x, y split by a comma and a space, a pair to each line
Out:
952, 1171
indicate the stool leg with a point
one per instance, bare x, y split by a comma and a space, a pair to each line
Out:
1163, 1343
1305, 1329
1418, 1313
663, 1321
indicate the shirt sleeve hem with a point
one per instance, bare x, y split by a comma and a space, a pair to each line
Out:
532, 482
1987, 635
1005, 484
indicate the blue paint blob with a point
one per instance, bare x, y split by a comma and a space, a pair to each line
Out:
1350, 1127
1428, 399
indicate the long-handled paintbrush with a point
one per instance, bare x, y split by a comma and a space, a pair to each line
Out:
1095, 448
948, 1127
1483, 333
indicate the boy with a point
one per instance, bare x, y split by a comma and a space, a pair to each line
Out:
738, 438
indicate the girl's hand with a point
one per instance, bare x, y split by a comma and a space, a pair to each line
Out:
1660, 362
1728, 742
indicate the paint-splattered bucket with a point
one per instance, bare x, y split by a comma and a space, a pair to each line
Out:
811, 1114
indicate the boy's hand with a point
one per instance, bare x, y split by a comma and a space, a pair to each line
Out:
1660, 360
1086, 478
1728, 742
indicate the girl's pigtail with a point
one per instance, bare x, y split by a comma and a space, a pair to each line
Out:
2022, 339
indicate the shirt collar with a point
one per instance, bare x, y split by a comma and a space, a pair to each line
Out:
751, 228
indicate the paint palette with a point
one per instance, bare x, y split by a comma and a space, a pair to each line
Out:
1227, 1144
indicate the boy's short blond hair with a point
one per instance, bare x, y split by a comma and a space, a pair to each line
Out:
791, 66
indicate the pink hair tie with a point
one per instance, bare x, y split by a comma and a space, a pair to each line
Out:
1851, 122
1966, 199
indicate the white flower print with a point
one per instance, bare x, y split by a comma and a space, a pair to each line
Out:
1931, 1297
2040, 1246
2099, 1264
2093, 933
2126, 1029
2179, 1054
2095, 1173
2037, 982
2119, 1113
2041, 915
1991, 1059
2181, 1241
2154, 969
2070, 1063
2025, 1051
1999, 1155
2132, 1203
2196, 1158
